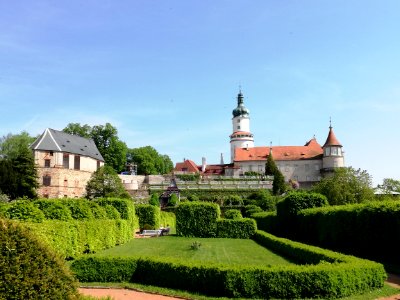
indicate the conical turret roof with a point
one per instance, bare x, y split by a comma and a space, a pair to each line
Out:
331, 139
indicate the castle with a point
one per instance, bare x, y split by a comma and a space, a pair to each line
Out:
304, 164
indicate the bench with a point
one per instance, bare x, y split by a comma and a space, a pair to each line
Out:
151, 232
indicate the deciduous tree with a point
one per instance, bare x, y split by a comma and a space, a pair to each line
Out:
149, 161
345, 186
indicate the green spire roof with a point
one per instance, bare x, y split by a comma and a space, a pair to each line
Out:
240, 110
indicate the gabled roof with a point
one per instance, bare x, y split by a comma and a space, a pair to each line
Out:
311, 150
59, 141
331, 139
187, 165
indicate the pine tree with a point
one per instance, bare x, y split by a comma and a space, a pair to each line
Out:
270, 166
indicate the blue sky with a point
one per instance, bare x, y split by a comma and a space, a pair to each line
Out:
166, 73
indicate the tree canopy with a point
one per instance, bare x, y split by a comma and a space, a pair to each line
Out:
105, 183
345, 186
149, 161
107, 141
390, 185
18, 174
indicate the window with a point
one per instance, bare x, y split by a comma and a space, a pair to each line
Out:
287, 168
334, 151
47, 180
98, 166
327, 151
238, 120
66, 161
238, 127
308, 178
260, 168
51, 153
47, 163
250, 168
316, 167
77, 162
65, 183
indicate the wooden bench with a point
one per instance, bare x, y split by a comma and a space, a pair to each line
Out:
151, 232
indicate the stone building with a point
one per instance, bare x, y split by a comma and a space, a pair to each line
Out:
65, 163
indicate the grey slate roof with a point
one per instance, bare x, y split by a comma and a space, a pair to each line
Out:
59, 141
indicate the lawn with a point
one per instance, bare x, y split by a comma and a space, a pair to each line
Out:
225, 251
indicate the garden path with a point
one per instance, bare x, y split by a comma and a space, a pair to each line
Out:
122, 294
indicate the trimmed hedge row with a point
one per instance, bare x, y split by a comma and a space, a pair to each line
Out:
197, 219
149, 216
168, 219
368, 230
236, 228
73, 238
333, 275
214, 195
267, 221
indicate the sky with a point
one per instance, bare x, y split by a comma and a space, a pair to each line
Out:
166, 73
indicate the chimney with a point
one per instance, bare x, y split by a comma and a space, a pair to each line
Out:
203, 164
222, 159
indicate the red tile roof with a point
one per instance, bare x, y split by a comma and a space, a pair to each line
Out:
331, 139
311, 150
187, 166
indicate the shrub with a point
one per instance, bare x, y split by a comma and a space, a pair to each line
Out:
53, 209
154, 200
148, 214
193, 198
236, 229
29, 269
263, 199
125, 208
197, 219
24, 210
251, 209
233, 214
168, 219
173, 200
233, 200
296, 201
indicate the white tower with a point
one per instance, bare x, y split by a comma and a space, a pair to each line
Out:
241, 136
333, 154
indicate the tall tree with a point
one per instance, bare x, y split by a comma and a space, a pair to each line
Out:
111, 148
149, 161
106, 139
345, 186
278, 184
390, 185
18, 174
78, 129
105, 183
12, 144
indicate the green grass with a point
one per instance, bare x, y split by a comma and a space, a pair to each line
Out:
386, 291
224, 251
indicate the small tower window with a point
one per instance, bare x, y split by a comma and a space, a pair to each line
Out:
238, 127
334, 151
47, 163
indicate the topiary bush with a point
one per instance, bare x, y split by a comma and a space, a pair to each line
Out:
148, 214
54, 209
154, 200
24, 210
173, 200
29, 268
233, 214
197, 219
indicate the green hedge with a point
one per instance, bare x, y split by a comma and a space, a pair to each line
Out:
368, 230
197, 219
125, 208
54, 209
236, 229
267, 221
233, 214
168, 218
29, 269
24, 210
326, 275
149, 216
213, 195
73, 238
